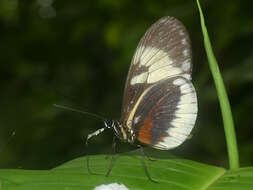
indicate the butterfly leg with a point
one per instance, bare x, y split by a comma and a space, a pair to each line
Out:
88, 161
113, 157
147, 156
145, 166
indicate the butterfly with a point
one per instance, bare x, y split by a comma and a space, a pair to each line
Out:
160, 103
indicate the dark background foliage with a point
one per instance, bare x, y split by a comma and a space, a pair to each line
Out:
77, 53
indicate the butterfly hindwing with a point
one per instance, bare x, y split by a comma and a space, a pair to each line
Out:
166, 113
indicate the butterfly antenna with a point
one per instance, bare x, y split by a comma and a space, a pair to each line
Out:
79, 111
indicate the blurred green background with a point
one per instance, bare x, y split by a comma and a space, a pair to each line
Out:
77, 53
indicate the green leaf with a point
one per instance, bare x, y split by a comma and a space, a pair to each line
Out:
176, 174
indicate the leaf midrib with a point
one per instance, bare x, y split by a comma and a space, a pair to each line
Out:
213, 180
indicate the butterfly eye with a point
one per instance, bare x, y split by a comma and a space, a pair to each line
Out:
109, 123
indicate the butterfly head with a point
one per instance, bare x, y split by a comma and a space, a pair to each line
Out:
109, 123
115, 126
123, 132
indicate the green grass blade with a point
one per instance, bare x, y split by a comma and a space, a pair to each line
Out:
223, 98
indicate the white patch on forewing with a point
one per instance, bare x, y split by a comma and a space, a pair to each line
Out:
159, 64
149, 55
152, 55
162, 64
137, 54
163, 73
141, 78
185, 116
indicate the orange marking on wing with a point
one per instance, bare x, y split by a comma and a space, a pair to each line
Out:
145, 131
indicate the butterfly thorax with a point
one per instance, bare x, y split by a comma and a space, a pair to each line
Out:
121, 130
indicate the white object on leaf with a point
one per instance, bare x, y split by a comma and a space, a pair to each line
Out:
112, 186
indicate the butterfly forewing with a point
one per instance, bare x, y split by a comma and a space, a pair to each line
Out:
162, 56
164, 51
